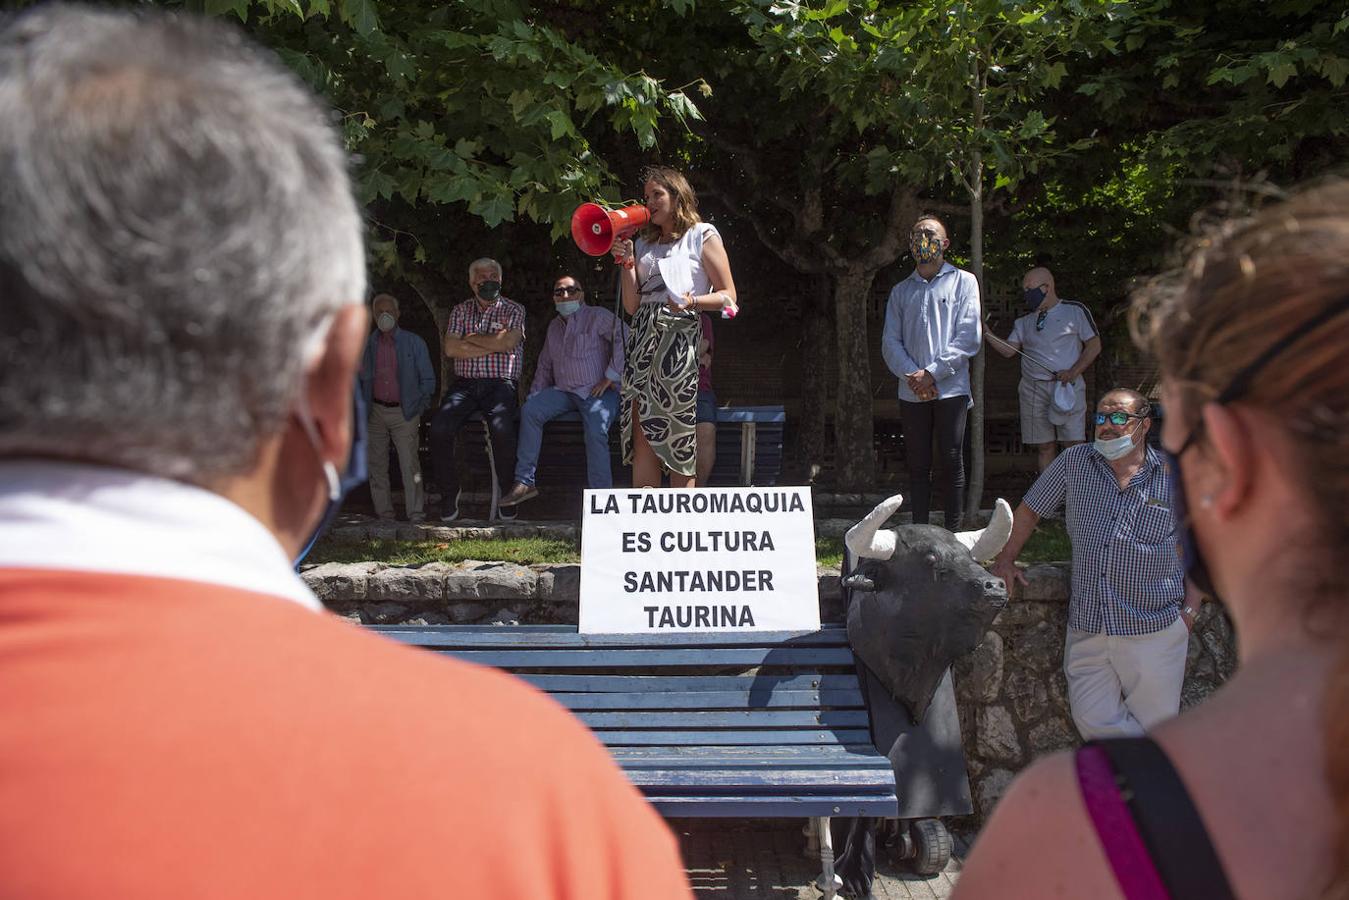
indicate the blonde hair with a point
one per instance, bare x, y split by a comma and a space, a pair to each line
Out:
1250, 285
684, 208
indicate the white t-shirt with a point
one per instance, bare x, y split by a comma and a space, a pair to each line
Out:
1057, 343
650, 281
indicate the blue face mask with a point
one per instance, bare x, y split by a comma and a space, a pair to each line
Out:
1034, 297
1115, 447
355, 475
567, 307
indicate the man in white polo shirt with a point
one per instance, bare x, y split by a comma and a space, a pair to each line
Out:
1057, 340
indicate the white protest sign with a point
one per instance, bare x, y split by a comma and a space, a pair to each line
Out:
709, 559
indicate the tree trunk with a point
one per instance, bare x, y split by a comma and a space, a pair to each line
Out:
816, 349
975, 485
854, 446
974, 490
431, 290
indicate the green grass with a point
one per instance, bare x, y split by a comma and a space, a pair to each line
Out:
524, 551
1048, 544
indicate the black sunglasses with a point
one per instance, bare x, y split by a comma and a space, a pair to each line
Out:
567, 291
1118, 418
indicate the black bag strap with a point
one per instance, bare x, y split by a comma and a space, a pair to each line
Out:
1167, 820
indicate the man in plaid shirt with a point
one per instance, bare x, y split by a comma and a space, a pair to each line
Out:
1131, 611
485, 337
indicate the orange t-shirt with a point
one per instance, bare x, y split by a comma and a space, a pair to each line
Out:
164, 738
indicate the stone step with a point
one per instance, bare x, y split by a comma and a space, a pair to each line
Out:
357, 529
498, 592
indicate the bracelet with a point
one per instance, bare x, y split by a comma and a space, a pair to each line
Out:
1190, 611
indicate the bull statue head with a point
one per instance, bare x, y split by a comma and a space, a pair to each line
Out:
920, 598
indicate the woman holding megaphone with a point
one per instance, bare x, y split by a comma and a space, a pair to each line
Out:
675, 269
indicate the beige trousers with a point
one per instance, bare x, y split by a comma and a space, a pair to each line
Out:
387, 422
1121, 686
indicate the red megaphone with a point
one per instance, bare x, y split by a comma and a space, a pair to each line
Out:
594, 228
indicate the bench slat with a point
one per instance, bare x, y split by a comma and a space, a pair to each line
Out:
756, 685
773, 807
517, 638
679, 699
646, 658
741, 718
835, 757
733, 738
756, 781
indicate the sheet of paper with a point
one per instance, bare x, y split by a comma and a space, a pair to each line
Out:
677, 273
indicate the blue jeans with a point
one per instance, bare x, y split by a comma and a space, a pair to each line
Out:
597, 414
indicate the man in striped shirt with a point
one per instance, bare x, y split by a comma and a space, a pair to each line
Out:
579, 369
485, 337
1131, 610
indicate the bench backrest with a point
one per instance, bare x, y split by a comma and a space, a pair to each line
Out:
758, 689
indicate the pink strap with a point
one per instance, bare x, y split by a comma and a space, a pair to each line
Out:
1129, 858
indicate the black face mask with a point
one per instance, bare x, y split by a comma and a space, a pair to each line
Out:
1196, 569
489, 290
1034, 297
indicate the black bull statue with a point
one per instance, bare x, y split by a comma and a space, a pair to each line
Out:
920, 598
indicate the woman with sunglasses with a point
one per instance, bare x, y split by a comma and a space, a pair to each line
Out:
1247, 794
676, 269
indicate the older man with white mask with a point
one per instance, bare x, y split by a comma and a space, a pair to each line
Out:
399, 385
182, 278
1131, 610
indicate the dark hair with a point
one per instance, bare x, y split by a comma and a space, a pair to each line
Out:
565, 274
932, 217
684, 202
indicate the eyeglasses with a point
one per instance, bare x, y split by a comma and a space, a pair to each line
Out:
566, 291
1118, 418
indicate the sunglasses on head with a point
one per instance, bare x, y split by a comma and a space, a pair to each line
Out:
1118, 418
566, 291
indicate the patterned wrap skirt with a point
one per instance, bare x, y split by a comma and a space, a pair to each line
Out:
661, 377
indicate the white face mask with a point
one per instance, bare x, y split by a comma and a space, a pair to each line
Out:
1115, 447
385, 321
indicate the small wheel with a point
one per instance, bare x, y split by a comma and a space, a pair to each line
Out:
931, 846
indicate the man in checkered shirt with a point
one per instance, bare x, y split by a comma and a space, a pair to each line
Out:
486, 339
1131, 611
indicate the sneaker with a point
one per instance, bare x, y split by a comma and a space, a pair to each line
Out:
519, 494
449, 509
507, 513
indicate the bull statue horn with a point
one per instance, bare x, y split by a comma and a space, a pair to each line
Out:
866, 539
986, 543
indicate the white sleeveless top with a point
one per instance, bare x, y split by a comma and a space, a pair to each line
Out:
651, 284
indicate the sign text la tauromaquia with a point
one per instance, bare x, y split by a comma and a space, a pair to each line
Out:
710, 559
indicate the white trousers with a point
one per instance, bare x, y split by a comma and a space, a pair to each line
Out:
1120, 686
387, 422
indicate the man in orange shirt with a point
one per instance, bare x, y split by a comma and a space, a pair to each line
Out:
182, 274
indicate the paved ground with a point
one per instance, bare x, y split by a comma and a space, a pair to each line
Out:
762, 859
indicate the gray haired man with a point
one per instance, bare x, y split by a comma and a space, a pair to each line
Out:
182, 276
399, 386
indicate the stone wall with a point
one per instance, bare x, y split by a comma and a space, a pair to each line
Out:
1012, 693
1011, 690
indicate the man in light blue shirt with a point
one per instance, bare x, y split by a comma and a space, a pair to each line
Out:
931, 331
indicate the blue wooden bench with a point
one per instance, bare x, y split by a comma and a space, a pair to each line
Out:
789, 735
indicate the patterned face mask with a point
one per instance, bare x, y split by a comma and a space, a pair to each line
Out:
926, 246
